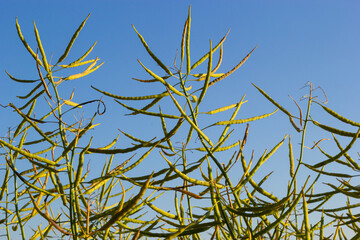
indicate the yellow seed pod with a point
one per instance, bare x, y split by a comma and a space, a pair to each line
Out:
194, 98
70, 103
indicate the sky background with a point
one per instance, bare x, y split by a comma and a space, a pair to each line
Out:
298, 41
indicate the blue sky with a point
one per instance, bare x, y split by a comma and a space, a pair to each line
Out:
298, 41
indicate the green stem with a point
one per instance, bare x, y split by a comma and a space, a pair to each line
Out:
302, 140
17, 209
293, 180
72, 213
7, 207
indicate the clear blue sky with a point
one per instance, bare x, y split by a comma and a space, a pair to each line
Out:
299, 41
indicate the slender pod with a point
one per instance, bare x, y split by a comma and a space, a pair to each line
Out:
20, 145
33, 125
187, 42
262, 210
352, 162
220, 143
26, 45
138, 161
333, 130
83, 56
160, 79
222, 109
246, 169
340, 208
219, 61
169, 177
72, 40
262, 191
182, 53
43, 80
132, 98
339, 117
187, 178
220, 149
21, 80
201, 76
46, 167
72, 104
163, 125
150, 80
233, 116
149, 142
224, 216
87, 71
180, 216
241, 121
213, 193
150, 105
4, 186
291, 159
22, 123
31, 92
306, 219
334, 174
294, 124
337, 156
50, 135
27, 154
160, 211
232, 70
300, 112
61, 189
272, 101
80, 165
44, 60
151, 53
78, 64
148, 113
114, 151
345, 192
31, 100
207, 79
202, 59
110, 144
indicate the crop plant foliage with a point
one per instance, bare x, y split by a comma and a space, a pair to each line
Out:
48, 189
